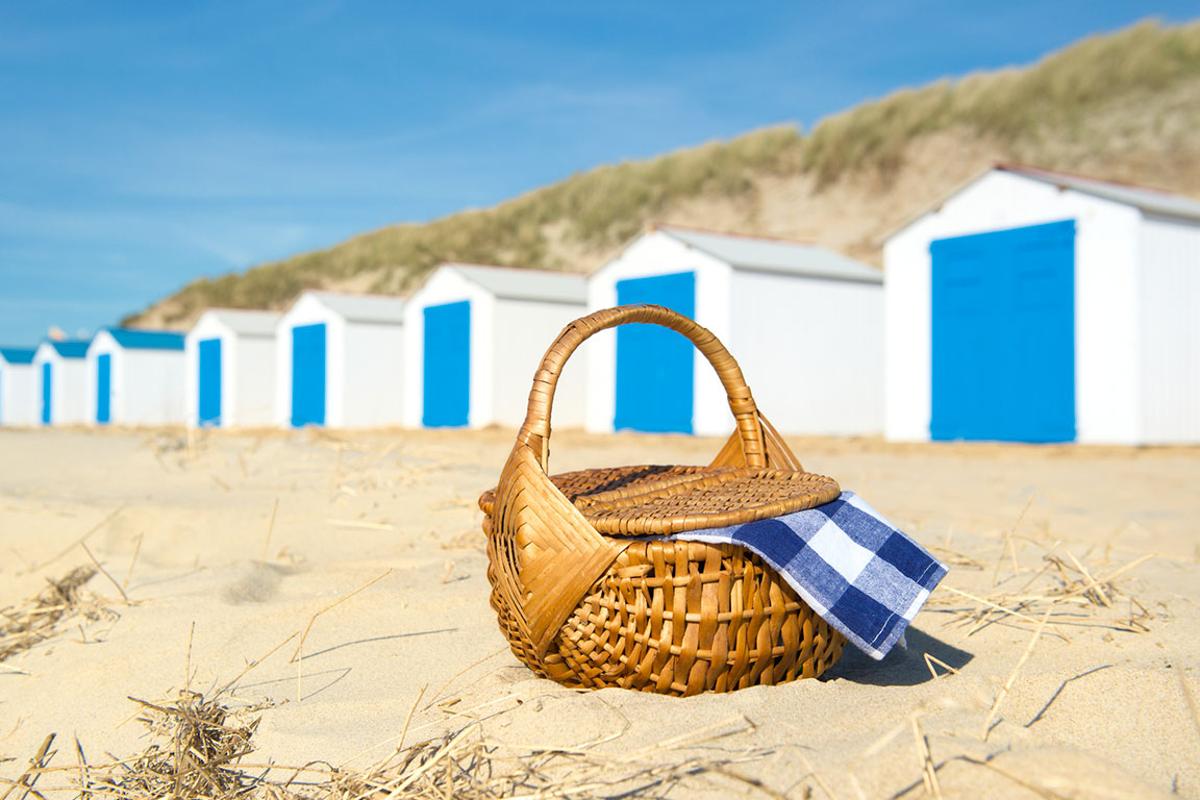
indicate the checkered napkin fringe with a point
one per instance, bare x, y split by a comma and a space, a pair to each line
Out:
861, 575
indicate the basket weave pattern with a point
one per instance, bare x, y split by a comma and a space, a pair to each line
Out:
584, 605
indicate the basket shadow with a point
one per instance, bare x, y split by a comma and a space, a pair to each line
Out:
901, 667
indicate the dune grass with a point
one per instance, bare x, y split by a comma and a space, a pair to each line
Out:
599, 209
1025, 112
1050, 99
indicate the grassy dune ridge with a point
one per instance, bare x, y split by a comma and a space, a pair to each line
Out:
1022, 108
1125, 106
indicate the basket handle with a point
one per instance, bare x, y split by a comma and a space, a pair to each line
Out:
535, 432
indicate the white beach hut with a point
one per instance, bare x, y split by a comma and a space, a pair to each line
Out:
1043, 307
18, 387
230, 355
475, 337
135, 377
805, 324
340, 360
60, 369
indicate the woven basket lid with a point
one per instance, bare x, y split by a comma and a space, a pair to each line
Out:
657, 500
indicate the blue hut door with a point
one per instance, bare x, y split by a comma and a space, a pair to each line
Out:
104, 388
446, 365
1003, 335
209, 382
655, 376
308, 375
47, 391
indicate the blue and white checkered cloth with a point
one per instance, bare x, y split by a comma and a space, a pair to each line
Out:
858, 572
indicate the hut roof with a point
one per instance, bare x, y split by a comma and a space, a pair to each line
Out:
17, 355
515, 283
775, 255
70, 348
146, 340
363, 307
251, 323
1154, 201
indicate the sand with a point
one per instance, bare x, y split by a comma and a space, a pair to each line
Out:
1096, 710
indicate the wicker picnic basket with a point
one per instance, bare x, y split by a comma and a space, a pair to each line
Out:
583, 600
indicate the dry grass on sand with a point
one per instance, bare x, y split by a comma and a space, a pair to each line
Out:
314, 624
201, 746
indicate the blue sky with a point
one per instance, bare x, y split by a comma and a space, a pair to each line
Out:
144, 144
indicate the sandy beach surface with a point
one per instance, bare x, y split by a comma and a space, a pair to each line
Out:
1103, 705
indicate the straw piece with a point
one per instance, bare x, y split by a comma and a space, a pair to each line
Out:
1008, 543
955, 558
105, 573
1137, 562
988, 603
137, 549
32, 773
270, 529
987, 723
1044, 793
98, 526
187, 660
816, 776
931, 659
408, 717
928, 769
738, 723
753, 783
44, 615
81, 763
251, 665
361, 524
307, 628
437, 695
1061, 687
1189, 699
1091, 581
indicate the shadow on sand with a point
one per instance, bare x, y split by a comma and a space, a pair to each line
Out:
902, 666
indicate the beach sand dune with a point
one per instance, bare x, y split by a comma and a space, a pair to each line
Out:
352, 565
